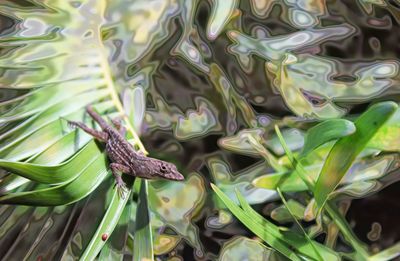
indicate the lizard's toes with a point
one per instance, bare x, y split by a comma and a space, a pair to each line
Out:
72, 124
121, 189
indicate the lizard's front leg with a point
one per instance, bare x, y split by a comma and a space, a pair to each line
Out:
118, 124
100, 135
116, 170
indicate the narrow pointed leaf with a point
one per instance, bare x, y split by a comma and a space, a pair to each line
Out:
143, 238
255, 225
300, 226
297, 241
325, 132
107, 225
283, 242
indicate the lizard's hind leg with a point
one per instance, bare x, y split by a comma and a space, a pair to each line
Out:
100, 135
116, 170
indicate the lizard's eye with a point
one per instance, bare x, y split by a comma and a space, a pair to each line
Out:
163, 168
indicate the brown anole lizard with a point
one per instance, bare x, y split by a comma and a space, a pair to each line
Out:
124, 158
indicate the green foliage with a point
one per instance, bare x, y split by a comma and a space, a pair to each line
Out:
126, 58
279, 238
345, 150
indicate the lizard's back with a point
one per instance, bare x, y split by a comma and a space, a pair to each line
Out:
120, 150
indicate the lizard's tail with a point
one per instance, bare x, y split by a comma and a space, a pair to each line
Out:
103, 124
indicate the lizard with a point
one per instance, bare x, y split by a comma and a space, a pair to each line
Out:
123, 157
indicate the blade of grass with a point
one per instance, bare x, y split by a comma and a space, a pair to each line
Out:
270, 233
294, 240
298, 167
346, 149
299, 225
256, 225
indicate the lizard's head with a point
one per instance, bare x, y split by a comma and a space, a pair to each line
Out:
167, 170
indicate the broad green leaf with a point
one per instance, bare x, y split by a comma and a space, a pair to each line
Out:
346, 149
63, 194
143, 239
296, 165
41, 99
56, 174
388, 137
54, 113
324, 132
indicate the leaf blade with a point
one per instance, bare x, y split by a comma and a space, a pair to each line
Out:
346, 149
326, 131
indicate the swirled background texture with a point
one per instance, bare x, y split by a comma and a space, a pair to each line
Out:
200, 79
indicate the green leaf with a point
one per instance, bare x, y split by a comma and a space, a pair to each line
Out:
43, 98
295, 240
63, 194
388, 137
56, 174
108, 223
283, 242
299, 225
299, 169
325, 132
266, 231
340, 221
346, 149
143, 238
